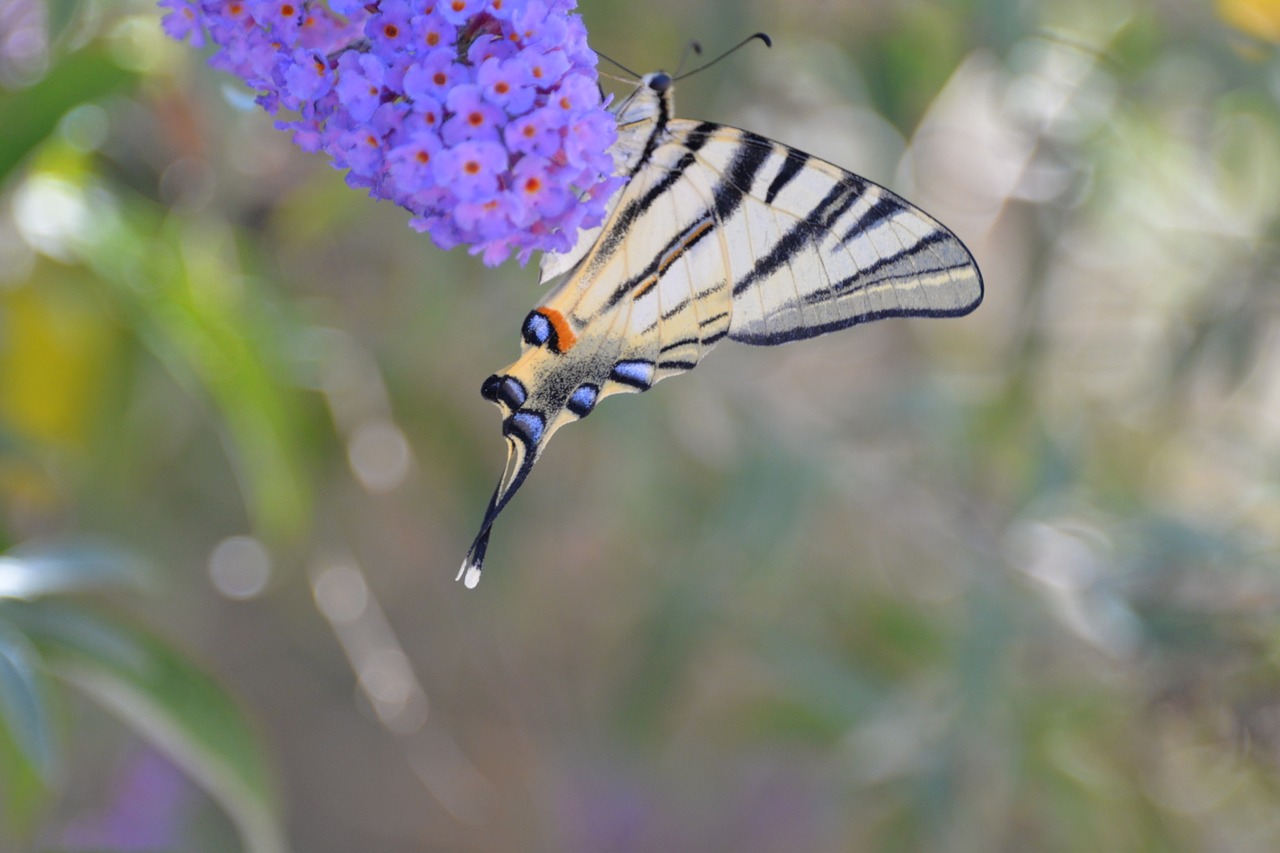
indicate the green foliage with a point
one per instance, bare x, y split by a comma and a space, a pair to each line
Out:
166, 698
1004, 582
30, 116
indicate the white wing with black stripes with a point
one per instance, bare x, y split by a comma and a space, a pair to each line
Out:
716, 233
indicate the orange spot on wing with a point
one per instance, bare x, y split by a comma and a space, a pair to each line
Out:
565, 338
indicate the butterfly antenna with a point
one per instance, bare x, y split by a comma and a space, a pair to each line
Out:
768, 42
620, 66
616, 78
694, 46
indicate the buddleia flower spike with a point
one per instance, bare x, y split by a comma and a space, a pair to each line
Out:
481, 117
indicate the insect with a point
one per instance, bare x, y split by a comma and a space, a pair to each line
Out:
716, 233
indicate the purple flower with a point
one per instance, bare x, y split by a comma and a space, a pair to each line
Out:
360, 150
490, 218
181, 21
487, 47
412, 162
460, 11
307, 77
472, 168
533, 134
431, 31
538, 191
282, 16
507, 84
473, 117
533, 23
359, 86
390, 31
544, 65
434, 77
481, 117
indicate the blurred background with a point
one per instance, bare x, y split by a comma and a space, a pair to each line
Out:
1006, 582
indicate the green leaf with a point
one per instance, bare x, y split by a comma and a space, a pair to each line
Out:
30, 115
173, 704
22, 705
71, 566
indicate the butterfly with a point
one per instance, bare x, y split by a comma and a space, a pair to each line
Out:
716, 233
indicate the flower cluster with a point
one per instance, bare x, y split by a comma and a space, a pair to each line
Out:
481, 117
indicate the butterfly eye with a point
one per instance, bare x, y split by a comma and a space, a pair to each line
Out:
504, 389
583, 400
660, 81
526, 426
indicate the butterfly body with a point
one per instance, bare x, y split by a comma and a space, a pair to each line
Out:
716, 232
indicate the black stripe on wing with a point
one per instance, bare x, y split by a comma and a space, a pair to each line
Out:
726, 198
811, 229
792, 165
819, 224
621, 227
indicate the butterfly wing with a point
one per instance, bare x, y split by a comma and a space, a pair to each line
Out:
718, 232
816, 248
723, 232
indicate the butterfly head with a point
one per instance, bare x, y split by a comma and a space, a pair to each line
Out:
652, 99
659, 82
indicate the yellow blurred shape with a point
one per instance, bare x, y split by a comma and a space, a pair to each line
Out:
53, 354
1258, 18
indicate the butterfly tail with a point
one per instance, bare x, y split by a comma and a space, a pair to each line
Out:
521, 454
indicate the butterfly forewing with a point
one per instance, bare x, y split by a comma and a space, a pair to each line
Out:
817, 248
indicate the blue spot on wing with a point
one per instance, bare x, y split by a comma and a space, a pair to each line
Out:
526, 426
504, 389
638, 373
537, 329
583, 400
